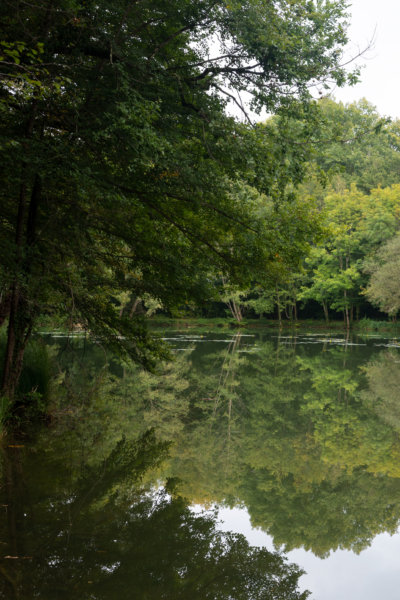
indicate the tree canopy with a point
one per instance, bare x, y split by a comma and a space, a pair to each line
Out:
121, 168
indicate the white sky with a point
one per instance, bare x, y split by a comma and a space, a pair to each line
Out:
380, 78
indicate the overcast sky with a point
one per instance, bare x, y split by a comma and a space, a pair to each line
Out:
380, 78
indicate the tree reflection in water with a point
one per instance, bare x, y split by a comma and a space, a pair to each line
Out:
96, 531
304, 435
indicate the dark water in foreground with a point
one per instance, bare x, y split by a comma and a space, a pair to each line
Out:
293, 442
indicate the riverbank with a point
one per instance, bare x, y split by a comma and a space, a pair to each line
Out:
360, 326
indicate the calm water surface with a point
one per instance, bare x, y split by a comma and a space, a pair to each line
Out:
246, 460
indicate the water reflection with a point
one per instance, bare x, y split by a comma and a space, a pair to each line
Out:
94, 530
303, 431
289, 430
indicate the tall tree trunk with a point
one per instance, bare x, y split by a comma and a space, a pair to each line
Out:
13, 335
326, 313
5, 305
346, 311
20, 319
235, 310
134, 307
20, 315
19, 330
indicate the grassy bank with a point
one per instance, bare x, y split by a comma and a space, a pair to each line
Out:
361, 326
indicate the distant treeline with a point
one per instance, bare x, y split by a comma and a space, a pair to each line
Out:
353, 185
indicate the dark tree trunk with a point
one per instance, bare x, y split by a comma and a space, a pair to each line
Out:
5, 305
19, 330
10, 371
7, 389
20, 317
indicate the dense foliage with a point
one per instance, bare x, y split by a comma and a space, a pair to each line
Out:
122, 173
353, 179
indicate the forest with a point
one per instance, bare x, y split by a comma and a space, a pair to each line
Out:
124, 177
351, 181
166, 163
130, 189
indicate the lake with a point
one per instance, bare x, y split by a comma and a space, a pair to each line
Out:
249, 459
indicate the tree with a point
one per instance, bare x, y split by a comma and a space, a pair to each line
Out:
353, 177
119, 158
383, 288
357, 226
356, 145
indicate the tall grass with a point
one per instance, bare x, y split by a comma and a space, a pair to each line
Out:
34, 385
